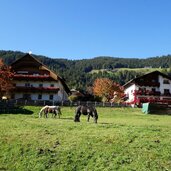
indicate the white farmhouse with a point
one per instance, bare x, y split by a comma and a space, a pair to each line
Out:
34, 81
154, 87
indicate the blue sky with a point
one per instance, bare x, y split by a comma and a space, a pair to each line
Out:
79, 29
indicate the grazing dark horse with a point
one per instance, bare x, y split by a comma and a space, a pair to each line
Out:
86, 110
55, 110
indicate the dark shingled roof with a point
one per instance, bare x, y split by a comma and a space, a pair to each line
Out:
135, 80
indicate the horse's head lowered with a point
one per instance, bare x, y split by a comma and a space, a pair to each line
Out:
86, 110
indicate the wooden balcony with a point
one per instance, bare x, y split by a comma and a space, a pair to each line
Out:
147, 93
36, 89
154, 100
33, 77
149, 84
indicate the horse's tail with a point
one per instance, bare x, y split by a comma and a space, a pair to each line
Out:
59, 110
95, 115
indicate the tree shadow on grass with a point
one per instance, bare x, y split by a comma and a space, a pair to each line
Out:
16, 110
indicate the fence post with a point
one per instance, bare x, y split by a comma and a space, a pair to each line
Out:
87, 103
44, 102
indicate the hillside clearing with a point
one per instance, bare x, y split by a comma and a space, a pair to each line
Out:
143, 70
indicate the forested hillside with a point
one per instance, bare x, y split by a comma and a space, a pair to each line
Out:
78, 73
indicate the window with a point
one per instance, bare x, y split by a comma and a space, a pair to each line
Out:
27, 84
13, 96
39, 96
36, 74
51, 97
166, 91
153, 89
143, 89
26, 96
165, 81
22, 72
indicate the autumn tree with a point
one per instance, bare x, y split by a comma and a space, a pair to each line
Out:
107, 89
6, 76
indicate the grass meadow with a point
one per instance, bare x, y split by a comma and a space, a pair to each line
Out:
124, 139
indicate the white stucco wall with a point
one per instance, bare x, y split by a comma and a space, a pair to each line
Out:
164, 86
61, 95
130, 92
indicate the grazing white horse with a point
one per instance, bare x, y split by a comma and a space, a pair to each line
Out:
55, 110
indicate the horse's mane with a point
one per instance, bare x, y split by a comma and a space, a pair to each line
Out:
42, 109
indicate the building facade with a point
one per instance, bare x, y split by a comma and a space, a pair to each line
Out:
34, 81
154, 87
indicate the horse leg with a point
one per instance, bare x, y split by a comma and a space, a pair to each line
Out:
88, 118
95, 116
59, 115
77, 117
95, 119
46, 113
54, 113
40, 114
59, 112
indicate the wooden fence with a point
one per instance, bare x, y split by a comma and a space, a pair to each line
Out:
65, 103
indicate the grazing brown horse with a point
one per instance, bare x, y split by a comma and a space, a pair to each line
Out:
86, 110
55, 110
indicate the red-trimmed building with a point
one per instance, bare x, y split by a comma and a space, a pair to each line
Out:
34, 81
154, 87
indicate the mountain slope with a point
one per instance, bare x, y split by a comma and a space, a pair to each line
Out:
77, 73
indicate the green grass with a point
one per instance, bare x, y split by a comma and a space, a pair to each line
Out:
123, 139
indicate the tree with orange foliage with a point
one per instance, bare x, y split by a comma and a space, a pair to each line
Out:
6, 76
108, 90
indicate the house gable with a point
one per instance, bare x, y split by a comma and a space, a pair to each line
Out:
26, 61
30, 74
150, 79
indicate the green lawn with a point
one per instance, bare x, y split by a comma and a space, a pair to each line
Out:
124, 139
